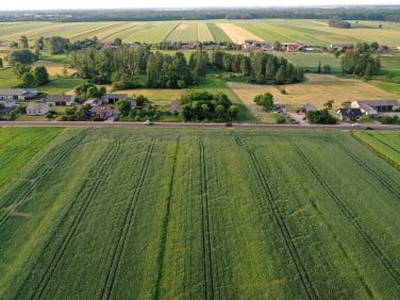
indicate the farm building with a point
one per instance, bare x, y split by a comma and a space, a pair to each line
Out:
37, 109
307, 107
18, 94
60, 100
9, 103
349, 114
291, 47
102, 112
253, 45
373, 107
112, 98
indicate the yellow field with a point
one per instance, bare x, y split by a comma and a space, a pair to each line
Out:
237, 34
317, 90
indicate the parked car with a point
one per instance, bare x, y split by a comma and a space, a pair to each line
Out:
148, 122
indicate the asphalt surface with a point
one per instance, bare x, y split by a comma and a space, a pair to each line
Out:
195, 125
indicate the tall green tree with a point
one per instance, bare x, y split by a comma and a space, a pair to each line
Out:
40, 76
24, 42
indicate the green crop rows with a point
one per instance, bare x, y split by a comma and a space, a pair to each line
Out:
133, 213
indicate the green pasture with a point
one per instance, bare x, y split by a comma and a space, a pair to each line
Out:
7, 78
60, 86
122, 213
310, 61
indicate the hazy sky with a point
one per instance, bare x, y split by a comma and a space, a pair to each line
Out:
92, 4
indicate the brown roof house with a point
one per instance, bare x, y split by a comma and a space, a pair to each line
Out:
102, 112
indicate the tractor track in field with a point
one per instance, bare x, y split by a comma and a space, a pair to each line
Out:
270, 200
34, 182
347, 212
108, 159
205, 222
109, 282
368, 169
165, 226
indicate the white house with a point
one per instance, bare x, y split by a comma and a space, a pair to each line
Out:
373, 107
37, 109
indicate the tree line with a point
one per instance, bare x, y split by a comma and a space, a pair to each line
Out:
378, 13
125, 67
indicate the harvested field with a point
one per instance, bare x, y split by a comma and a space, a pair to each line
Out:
237, 34
317, 90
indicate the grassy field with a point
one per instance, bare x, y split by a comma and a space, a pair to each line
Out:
385, 144
193, 213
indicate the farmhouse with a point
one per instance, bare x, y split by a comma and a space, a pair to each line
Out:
291, 47
102, 112
112, 98
253, 45
349, 114
37, 109
373, 107
61, 100
20, 94
342, 47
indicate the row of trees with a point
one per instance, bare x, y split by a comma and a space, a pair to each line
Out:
388, 13
122, 66
339, 23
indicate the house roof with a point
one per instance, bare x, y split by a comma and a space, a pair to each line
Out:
37, 105
17, 92
115, 96
356, 112
101, 109
59, 98
375, 103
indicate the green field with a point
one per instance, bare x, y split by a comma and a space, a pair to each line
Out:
385, 144
133, 213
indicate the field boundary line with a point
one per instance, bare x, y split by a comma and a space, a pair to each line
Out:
109, 282
271, 201
108, 159
205, 222
348, 214
34, 182
165, 226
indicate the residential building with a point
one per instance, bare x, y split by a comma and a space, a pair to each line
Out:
37, 109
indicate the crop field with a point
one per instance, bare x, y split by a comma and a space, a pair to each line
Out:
385, 144
318, 32
190, 31
218, 34
19, 146
238, 34
117, 213
317, 90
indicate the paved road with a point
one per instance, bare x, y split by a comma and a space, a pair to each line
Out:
192, 125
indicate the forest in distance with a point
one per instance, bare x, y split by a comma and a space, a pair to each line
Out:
370, 13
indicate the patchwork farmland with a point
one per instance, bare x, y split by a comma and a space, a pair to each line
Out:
193, 213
